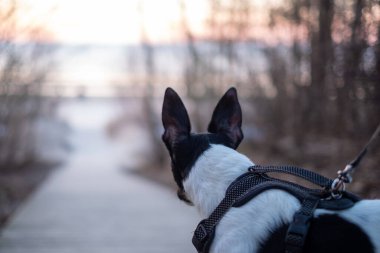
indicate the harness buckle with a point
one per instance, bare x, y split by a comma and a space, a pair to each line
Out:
297, 231
300, 224
200, 237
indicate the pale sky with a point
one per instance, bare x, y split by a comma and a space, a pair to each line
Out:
112, 21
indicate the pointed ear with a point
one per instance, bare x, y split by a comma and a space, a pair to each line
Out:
174, 118
227, 117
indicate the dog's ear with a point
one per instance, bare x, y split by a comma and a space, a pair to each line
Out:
174, 118
227, 117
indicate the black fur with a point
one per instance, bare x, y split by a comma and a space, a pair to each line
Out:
328, 234
227, 118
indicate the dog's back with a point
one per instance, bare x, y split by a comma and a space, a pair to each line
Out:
261, 224
353, 230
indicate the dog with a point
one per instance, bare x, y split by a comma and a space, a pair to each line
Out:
205, 164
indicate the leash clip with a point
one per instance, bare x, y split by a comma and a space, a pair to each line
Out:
338, 186
345, 175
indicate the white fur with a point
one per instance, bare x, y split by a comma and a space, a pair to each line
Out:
243, 229
212, 173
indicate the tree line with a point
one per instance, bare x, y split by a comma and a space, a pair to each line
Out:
309, 69
23, 71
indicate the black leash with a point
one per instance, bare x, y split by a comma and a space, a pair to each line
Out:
345, 176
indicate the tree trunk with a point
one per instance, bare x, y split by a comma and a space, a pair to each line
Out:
321, 61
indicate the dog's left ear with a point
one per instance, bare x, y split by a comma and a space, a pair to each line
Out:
227, 117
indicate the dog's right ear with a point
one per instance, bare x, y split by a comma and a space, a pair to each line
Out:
174, 118
227, 118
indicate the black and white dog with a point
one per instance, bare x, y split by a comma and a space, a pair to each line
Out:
205, 164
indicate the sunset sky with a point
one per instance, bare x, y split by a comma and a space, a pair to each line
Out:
111, 21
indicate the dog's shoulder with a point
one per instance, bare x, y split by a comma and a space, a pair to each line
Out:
249, 226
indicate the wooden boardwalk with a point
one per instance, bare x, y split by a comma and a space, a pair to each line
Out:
91, 205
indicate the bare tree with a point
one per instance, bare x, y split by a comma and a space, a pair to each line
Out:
158, 155
23, 68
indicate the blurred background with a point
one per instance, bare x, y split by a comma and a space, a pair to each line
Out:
307, 73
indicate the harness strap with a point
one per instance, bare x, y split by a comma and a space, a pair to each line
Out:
298, 229
308, 175
205, 230
255, 181
243, 189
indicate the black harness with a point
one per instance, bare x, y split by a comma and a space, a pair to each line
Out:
256, 181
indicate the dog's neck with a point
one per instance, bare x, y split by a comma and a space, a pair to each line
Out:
211, 175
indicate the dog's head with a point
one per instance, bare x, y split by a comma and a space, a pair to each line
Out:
185, 147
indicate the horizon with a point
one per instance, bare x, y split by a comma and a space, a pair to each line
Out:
118, 22
107, 22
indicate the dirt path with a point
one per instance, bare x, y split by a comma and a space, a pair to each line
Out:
90, 205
